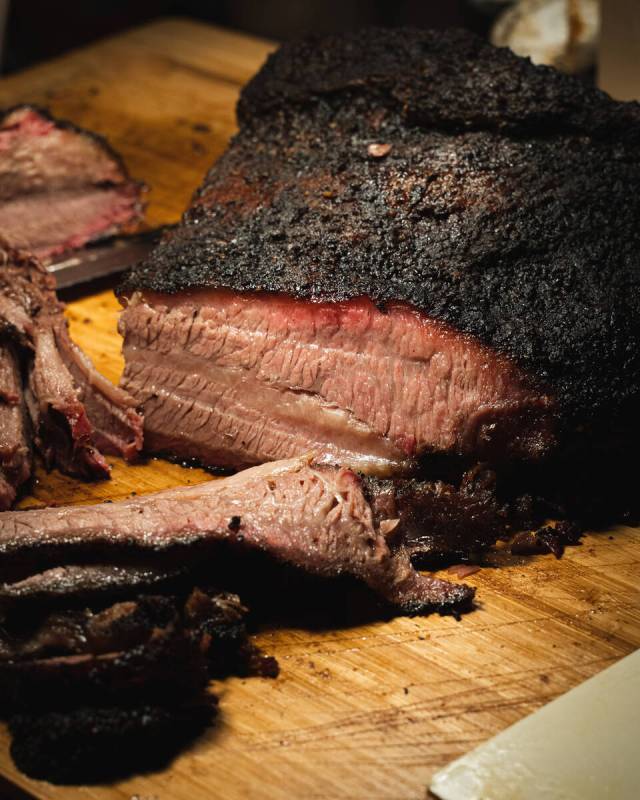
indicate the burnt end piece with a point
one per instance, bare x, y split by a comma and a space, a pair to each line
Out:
98, 744
439, 521
506, 206
127, 680
548, 539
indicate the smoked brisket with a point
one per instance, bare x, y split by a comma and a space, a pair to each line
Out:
416, 244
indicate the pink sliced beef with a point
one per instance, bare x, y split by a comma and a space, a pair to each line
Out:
51, 394
60, 186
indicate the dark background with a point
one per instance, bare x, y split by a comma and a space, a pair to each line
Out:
41, 29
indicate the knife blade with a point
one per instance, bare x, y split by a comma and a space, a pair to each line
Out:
100, 260
581, 746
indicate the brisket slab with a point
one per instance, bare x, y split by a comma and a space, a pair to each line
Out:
313, 517
60, 186
417, 243
74, 413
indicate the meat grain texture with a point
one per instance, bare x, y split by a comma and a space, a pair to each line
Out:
417, 243
315, 518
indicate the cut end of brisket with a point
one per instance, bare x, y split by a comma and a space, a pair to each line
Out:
238, 378
60, 186
90, 744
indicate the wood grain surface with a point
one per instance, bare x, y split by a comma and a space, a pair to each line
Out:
365, 711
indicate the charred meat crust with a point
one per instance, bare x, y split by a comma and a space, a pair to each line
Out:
548, 539
505, 206
129, 677
90, 744
440, 521
423, 72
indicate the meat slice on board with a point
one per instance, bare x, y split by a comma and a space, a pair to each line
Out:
60, 186
313, 517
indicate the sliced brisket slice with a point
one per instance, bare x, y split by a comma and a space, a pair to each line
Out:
60, 186
115, 422
471, 286
75, 413
313, 517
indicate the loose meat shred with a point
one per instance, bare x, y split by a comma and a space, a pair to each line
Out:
51, 388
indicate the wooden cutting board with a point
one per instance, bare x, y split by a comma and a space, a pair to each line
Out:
357, 712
